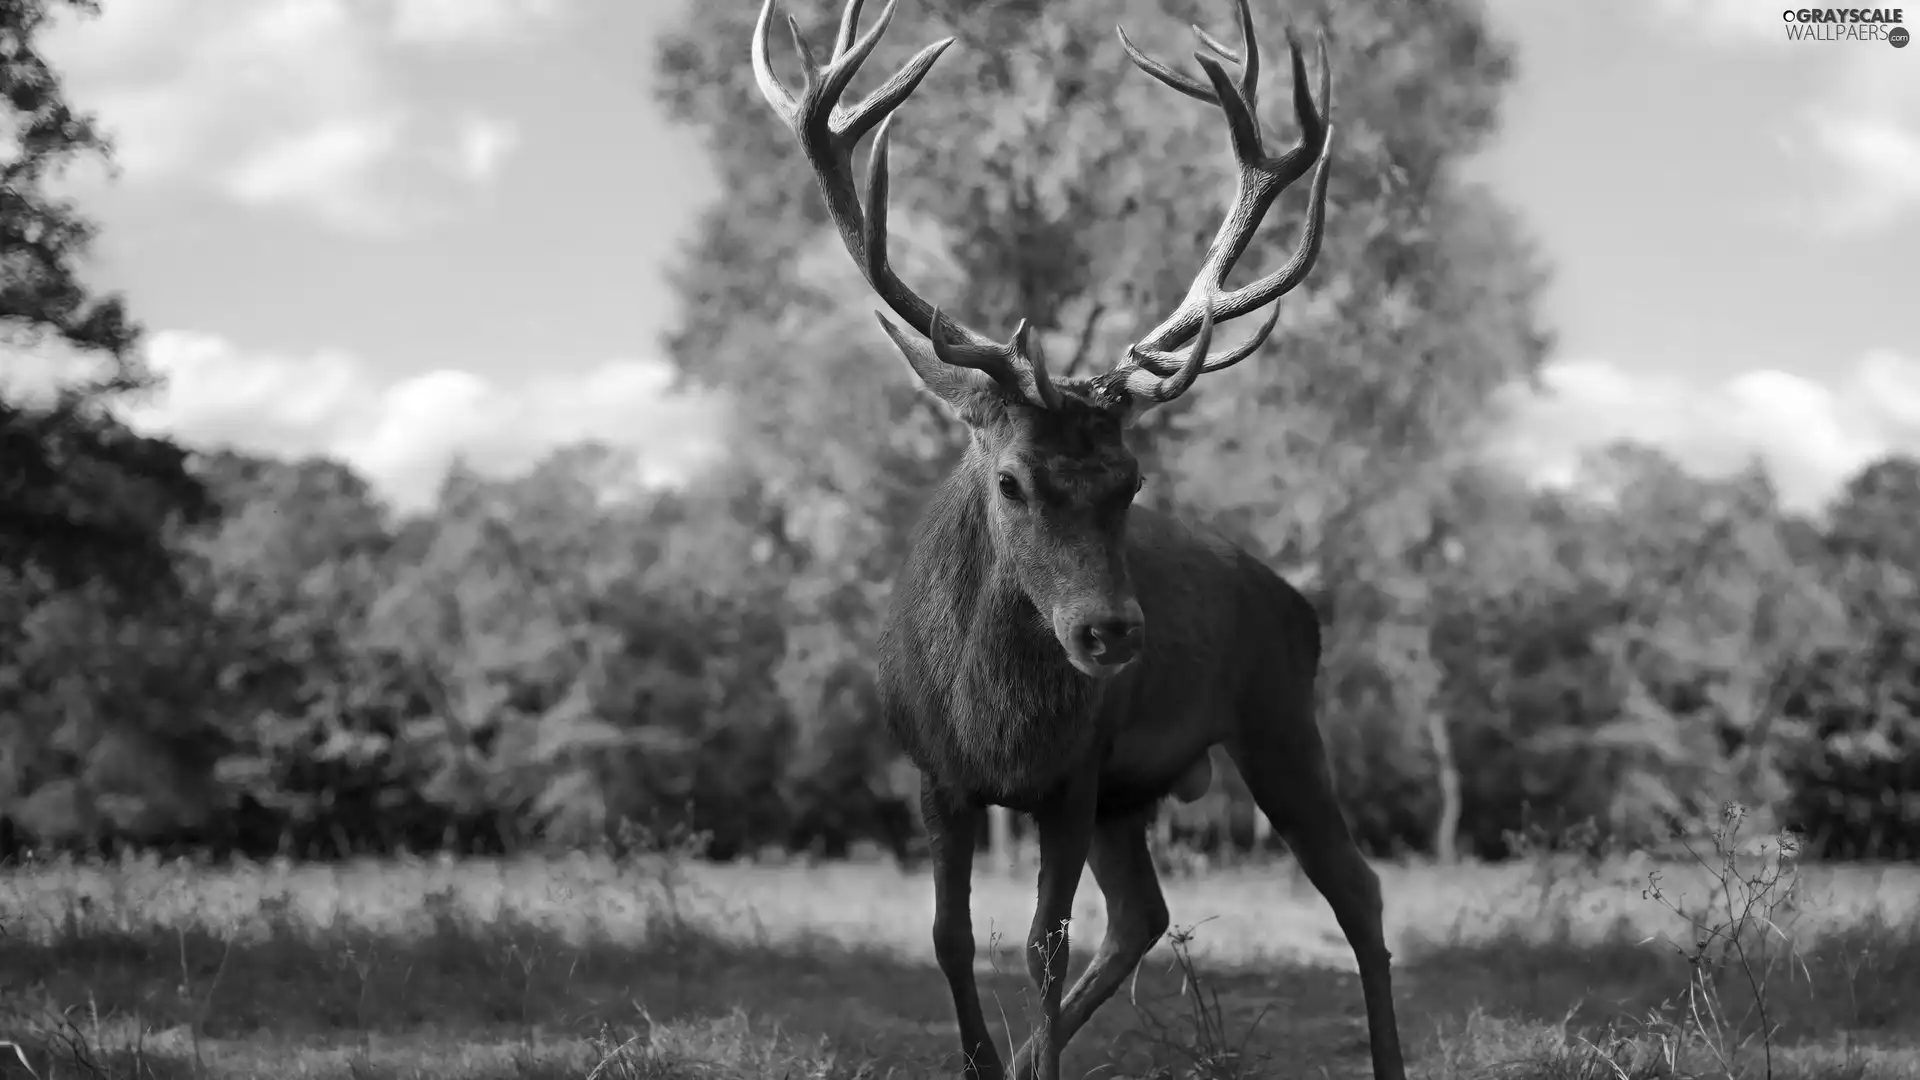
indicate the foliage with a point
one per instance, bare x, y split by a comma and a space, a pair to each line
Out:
534, 661
259, 655
1857, 782
1040, 176
82, 498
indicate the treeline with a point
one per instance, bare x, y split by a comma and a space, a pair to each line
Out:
221, 651
538, 659
526, 661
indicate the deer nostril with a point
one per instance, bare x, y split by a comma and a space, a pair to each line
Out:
1111, 641
1087, 637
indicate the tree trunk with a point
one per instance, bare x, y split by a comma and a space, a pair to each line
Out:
1445, 831
1000, 854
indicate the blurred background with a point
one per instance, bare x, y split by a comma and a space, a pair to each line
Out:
495, 445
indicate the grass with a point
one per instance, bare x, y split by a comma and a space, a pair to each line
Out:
1730, 963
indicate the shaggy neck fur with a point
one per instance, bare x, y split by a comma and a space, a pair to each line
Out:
977, 689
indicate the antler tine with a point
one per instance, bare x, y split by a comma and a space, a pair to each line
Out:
849, 26
1250, 76
1149, 388
1261, 178
1029, 380
829, 134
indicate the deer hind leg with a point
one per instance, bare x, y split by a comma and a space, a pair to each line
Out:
952, 826
1285, 767
1136, 917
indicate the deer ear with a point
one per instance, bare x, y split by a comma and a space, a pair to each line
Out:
957, 388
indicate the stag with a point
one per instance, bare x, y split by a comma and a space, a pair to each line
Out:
1053, 649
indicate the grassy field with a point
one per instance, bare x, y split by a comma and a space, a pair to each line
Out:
585, 966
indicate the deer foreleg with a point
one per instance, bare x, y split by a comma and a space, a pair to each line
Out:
952, 826
1136, 917
1066, 832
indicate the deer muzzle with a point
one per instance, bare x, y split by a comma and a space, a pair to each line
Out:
1101, 641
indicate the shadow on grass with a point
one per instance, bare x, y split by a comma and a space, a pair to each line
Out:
1865, 981
1847, 1005
319, 994
507, 997
469, 998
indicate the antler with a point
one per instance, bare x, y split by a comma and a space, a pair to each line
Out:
1150, 368
828, 136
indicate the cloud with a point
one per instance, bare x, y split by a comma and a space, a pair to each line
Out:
1867, 127
291, 104
1723, 21
1811, 436
483, 144
403, 433
443, 22
1859, 123
327, 169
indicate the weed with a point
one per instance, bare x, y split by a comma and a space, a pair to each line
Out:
646, 961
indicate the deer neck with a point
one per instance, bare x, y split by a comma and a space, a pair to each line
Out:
1015, 710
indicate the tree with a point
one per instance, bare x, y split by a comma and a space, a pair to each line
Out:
113, 716
1857, 785
1629, 651
84, 497
108, 687
294, 566
1719, 616
1038, 175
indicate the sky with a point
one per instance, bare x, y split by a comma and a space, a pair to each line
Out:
387, 230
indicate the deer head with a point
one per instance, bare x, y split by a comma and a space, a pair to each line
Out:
1049, 460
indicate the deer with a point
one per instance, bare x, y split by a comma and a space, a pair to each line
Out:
1052, 648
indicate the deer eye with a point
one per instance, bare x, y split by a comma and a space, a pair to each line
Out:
1010, 487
